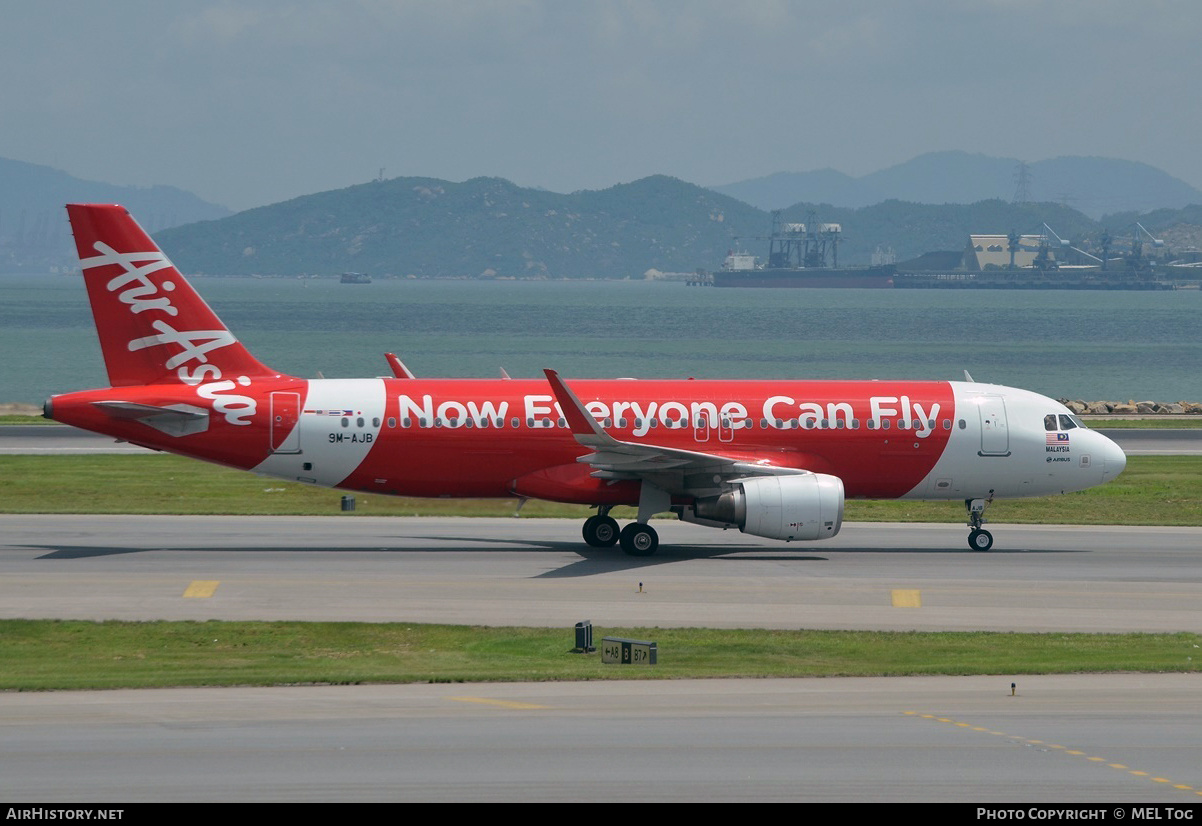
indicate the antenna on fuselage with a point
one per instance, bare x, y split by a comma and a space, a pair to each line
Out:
967, 377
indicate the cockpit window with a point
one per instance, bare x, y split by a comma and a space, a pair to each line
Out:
1061, 421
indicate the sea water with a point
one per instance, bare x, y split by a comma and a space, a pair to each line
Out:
1066, 344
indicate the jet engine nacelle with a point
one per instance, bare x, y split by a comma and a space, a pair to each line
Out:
803, 507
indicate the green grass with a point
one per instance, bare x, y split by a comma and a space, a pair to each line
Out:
61, 654
1150, 423
1154, 490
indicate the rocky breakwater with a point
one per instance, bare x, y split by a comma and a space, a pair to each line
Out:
1132, 408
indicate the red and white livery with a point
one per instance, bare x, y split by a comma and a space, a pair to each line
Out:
774, 459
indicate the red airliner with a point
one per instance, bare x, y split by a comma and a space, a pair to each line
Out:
774, 459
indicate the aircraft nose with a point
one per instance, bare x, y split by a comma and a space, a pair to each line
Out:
1113, 460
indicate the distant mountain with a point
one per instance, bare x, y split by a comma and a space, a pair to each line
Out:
33, 224
493, 228
1094, 186
485, 226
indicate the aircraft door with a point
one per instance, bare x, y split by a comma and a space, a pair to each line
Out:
995, 435
726, 429
705, 423
285, 429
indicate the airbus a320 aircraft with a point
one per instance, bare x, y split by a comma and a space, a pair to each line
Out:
773, 459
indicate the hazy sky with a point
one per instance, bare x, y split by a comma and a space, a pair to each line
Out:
249, 103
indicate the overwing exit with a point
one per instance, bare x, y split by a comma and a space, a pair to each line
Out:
775, 459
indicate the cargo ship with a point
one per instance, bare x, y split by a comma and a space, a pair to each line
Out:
797, 257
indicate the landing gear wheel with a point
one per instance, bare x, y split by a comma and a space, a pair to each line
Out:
639, 540
980, 540
601, 531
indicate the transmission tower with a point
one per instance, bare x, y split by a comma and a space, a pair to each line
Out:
1022, 183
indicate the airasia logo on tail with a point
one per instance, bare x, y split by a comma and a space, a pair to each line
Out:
191, 362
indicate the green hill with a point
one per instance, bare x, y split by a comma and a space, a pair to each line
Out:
490, 227
432, 228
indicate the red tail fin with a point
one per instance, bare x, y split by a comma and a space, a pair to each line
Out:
153, 326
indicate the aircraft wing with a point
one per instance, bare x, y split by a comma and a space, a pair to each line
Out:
675, 470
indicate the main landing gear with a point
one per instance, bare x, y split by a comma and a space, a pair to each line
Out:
637, 539
979, 539
601, 530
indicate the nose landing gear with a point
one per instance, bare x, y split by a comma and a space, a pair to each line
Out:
979, 539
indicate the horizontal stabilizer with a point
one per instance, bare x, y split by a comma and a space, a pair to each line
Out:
174, 419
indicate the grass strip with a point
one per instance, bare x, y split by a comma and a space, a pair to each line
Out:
1154, 490
25, 418
41, 655
1149, 423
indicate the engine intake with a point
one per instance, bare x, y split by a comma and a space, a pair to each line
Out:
802, 507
